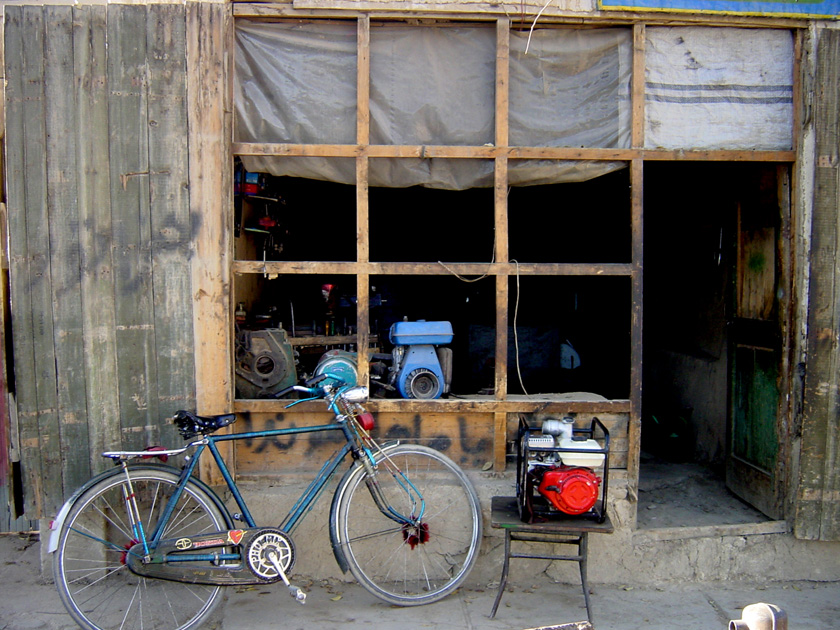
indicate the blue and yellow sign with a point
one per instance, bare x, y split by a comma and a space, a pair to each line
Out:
829, 9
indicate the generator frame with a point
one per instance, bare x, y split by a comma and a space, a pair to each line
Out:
533, 507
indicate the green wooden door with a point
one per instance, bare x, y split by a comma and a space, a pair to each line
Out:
753, 469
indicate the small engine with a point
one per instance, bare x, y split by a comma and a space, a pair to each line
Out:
571, 489
557, 464
420, 368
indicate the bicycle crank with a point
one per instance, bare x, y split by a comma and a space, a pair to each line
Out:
295, 591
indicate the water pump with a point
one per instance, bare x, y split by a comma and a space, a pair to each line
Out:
556, 470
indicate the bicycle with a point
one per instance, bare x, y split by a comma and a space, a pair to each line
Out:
148, 545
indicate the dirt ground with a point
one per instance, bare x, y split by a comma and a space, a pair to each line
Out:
28, 602
687, 495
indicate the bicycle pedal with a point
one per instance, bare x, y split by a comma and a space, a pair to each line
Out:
297, 593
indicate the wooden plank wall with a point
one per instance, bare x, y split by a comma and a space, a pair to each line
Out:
100, 226
818, 502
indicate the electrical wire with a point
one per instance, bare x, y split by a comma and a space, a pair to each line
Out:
534, 23
516, 332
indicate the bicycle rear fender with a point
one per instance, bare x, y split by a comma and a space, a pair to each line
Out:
57, 523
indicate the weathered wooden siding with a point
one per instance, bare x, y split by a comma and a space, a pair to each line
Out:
100, 234
818, 497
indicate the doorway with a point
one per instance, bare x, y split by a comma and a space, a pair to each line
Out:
712, 344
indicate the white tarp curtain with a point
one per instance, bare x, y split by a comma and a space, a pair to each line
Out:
719, 88
431, 86
706, 88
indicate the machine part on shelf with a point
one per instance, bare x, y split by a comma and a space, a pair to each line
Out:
445, 358
341, 363
265, 362
421, 383
241, 315
569, 357
555, 427
417, 370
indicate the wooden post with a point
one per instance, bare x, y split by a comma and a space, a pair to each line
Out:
501, 225
638, 88
209, 29
634, 427
362, 198
817, 507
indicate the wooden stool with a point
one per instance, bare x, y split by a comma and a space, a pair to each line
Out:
563, 531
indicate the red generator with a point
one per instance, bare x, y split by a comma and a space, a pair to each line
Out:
562, 471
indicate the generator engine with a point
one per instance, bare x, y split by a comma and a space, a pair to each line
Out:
570, 489
265, 362
558, 466
420, 368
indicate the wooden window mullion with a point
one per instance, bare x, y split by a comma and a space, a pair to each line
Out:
362, 198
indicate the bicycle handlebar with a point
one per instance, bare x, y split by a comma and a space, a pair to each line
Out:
309, 387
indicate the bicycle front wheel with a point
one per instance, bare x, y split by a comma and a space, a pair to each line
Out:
91, 574
409, 565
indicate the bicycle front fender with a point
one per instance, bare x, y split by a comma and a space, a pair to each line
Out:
355, 469
57, 523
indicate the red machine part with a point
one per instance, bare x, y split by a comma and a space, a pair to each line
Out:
571, 489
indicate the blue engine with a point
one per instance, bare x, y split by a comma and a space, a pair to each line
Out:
421, 369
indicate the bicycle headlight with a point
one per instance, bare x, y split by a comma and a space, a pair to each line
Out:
357, 394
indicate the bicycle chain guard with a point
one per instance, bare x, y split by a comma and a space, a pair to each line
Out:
221, 558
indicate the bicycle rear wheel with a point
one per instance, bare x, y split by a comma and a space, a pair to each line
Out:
410, 565
93, 580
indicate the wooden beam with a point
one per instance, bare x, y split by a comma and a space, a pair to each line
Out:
95, 240
477, 12
362, 276
433, 268
363, 81
28, 250
788, 381
637, 91
817, 514
486, 404
64, 230
520, 153
171, 221
637, 293
502, 81
796, 120
501, 250
362, 198
209, 27
128, 121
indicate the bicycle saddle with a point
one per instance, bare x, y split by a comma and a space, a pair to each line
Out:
190, 425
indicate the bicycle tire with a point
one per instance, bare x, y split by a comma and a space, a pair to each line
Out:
410, 566
93, 581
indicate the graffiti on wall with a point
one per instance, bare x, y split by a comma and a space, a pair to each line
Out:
468, 440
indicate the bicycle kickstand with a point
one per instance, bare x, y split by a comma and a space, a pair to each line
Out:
295, 591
